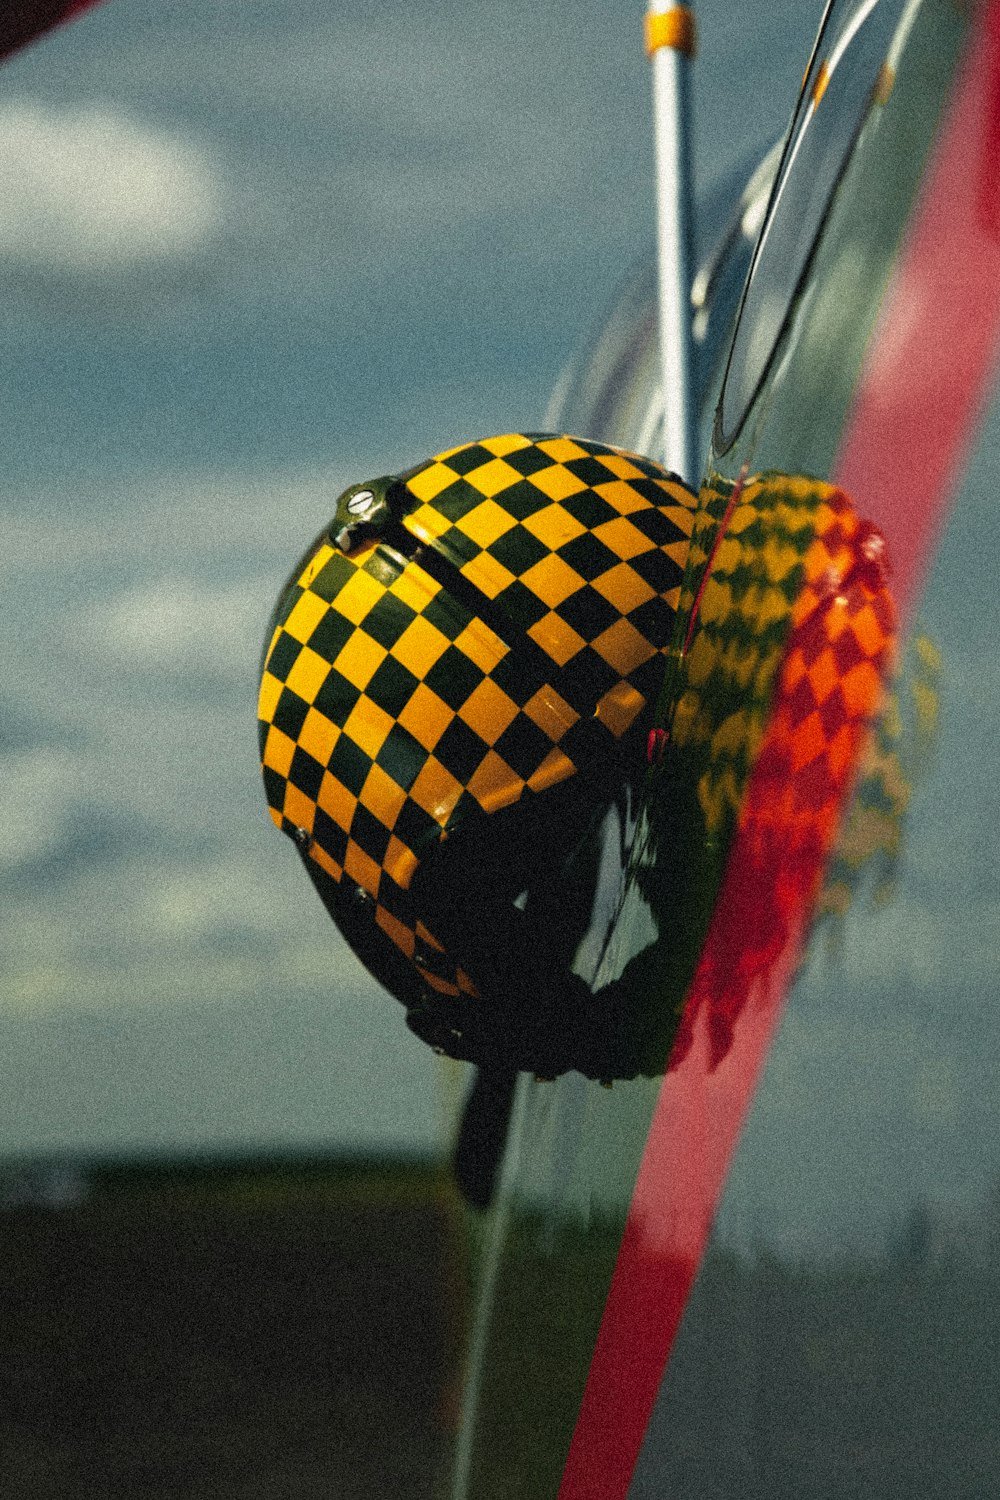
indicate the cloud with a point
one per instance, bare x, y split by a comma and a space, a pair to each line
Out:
180, 625
93, 193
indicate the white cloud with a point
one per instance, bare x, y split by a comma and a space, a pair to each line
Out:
90, 191
173, 624
38, 791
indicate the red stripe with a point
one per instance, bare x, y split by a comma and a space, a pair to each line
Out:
929, 372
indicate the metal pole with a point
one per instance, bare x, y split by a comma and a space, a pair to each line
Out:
670, 42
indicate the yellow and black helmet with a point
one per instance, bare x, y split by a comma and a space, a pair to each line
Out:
451, 694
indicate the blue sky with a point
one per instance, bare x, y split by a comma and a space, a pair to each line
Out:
251, 252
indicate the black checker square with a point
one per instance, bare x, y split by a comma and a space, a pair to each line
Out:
659, 528
332, 576
658, 570
467, 459
388, 620
446, 614
458, 547
460, 750
523, 746
336, 697
655, 620
349, 764
523, 499
370, 833
589, 509
416, 828
392, 686
329, 835
590, 470
588, 613
522, 672
648, 678
283, 657
589, 556
527, 460
518, 550
453, 677
523, 608
306, 773
290, 713
385, 566
331, 635
401, 757
586, 678
274, 786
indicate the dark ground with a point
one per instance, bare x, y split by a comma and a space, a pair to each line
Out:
262, 1333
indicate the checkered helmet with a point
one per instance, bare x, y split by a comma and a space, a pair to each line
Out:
452, 676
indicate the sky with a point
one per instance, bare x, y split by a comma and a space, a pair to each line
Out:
252, 251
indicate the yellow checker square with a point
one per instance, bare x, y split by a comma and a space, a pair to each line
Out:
488, 711
623, 587
554, 768
486, 523
315, 565
275, 638
267, 701
415, 588
278, 751
337, 802
556, 638
481, 645
318, 736
360, 594
620, 707
623, 647
436, 791
420, 646
361, 868
494, 784
551, 713
429, 483
382, 796
425, 716
359, 659
308, 674
621, 496
624, 539
563, 449
326, 861
553, 526
395, 930
368, 725
306, 615
299, 809
620, 465
400, 862
491, 478
552, 580
508, 442
488, 575
558, 483
427, 523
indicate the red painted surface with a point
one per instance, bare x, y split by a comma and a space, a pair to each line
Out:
23, 20
930, 369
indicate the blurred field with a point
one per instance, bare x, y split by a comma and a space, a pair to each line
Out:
268, 1331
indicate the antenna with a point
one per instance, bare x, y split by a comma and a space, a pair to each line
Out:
670, 43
